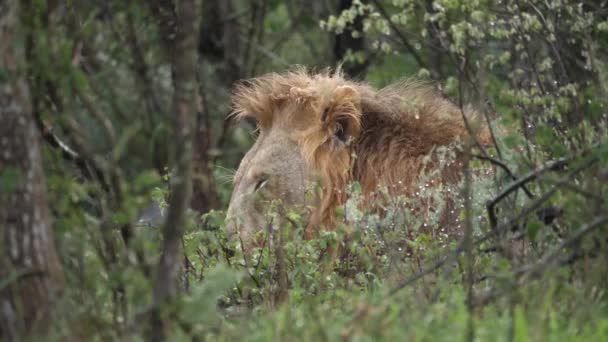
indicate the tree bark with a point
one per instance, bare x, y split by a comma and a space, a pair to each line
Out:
219, 42
182, 46
219, 39
30, 270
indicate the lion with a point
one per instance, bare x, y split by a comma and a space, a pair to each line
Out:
321, 128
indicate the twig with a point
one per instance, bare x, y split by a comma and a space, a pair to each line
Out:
221, 141
141, 69
526, 211
89, 170
273, 56
537, 268
535, 205
449, 257
552, 166
89, 104
248, 263
578, 190
400, 34
259, 33
282, 281
472, 133
505, 168
487, 117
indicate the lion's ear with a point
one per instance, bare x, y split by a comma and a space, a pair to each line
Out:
342, 115
347, 93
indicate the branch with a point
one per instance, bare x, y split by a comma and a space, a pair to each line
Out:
448, 258
536, 204
107, 125
537, 268
89, 170
526, 211
552, 166
505, 168
400, 34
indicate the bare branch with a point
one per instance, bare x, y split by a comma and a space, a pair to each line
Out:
505, 168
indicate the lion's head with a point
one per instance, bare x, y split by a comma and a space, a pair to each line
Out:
306, 124
326, 130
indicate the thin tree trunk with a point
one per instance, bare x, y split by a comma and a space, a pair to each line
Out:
182, 48
30, 270
218, 42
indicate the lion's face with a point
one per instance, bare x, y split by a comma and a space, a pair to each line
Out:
272, 176
305, 127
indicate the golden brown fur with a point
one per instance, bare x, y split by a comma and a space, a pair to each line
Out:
389, 131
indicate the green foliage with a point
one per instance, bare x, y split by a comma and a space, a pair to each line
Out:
536, 71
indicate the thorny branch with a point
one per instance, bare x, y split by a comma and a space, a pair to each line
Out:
530, 208
530, 271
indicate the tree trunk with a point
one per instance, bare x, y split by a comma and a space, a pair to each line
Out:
182, 47
30, 270
219, 39
219, 42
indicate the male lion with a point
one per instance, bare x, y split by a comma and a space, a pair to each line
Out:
323, 127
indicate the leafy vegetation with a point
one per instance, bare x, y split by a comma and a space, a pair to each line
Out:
531, 265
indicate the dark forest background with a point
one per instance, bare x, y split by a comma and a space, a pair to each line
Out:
116, 156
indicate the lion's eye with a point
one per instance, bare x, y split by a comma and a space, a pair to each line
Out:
260, 183
340, 132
